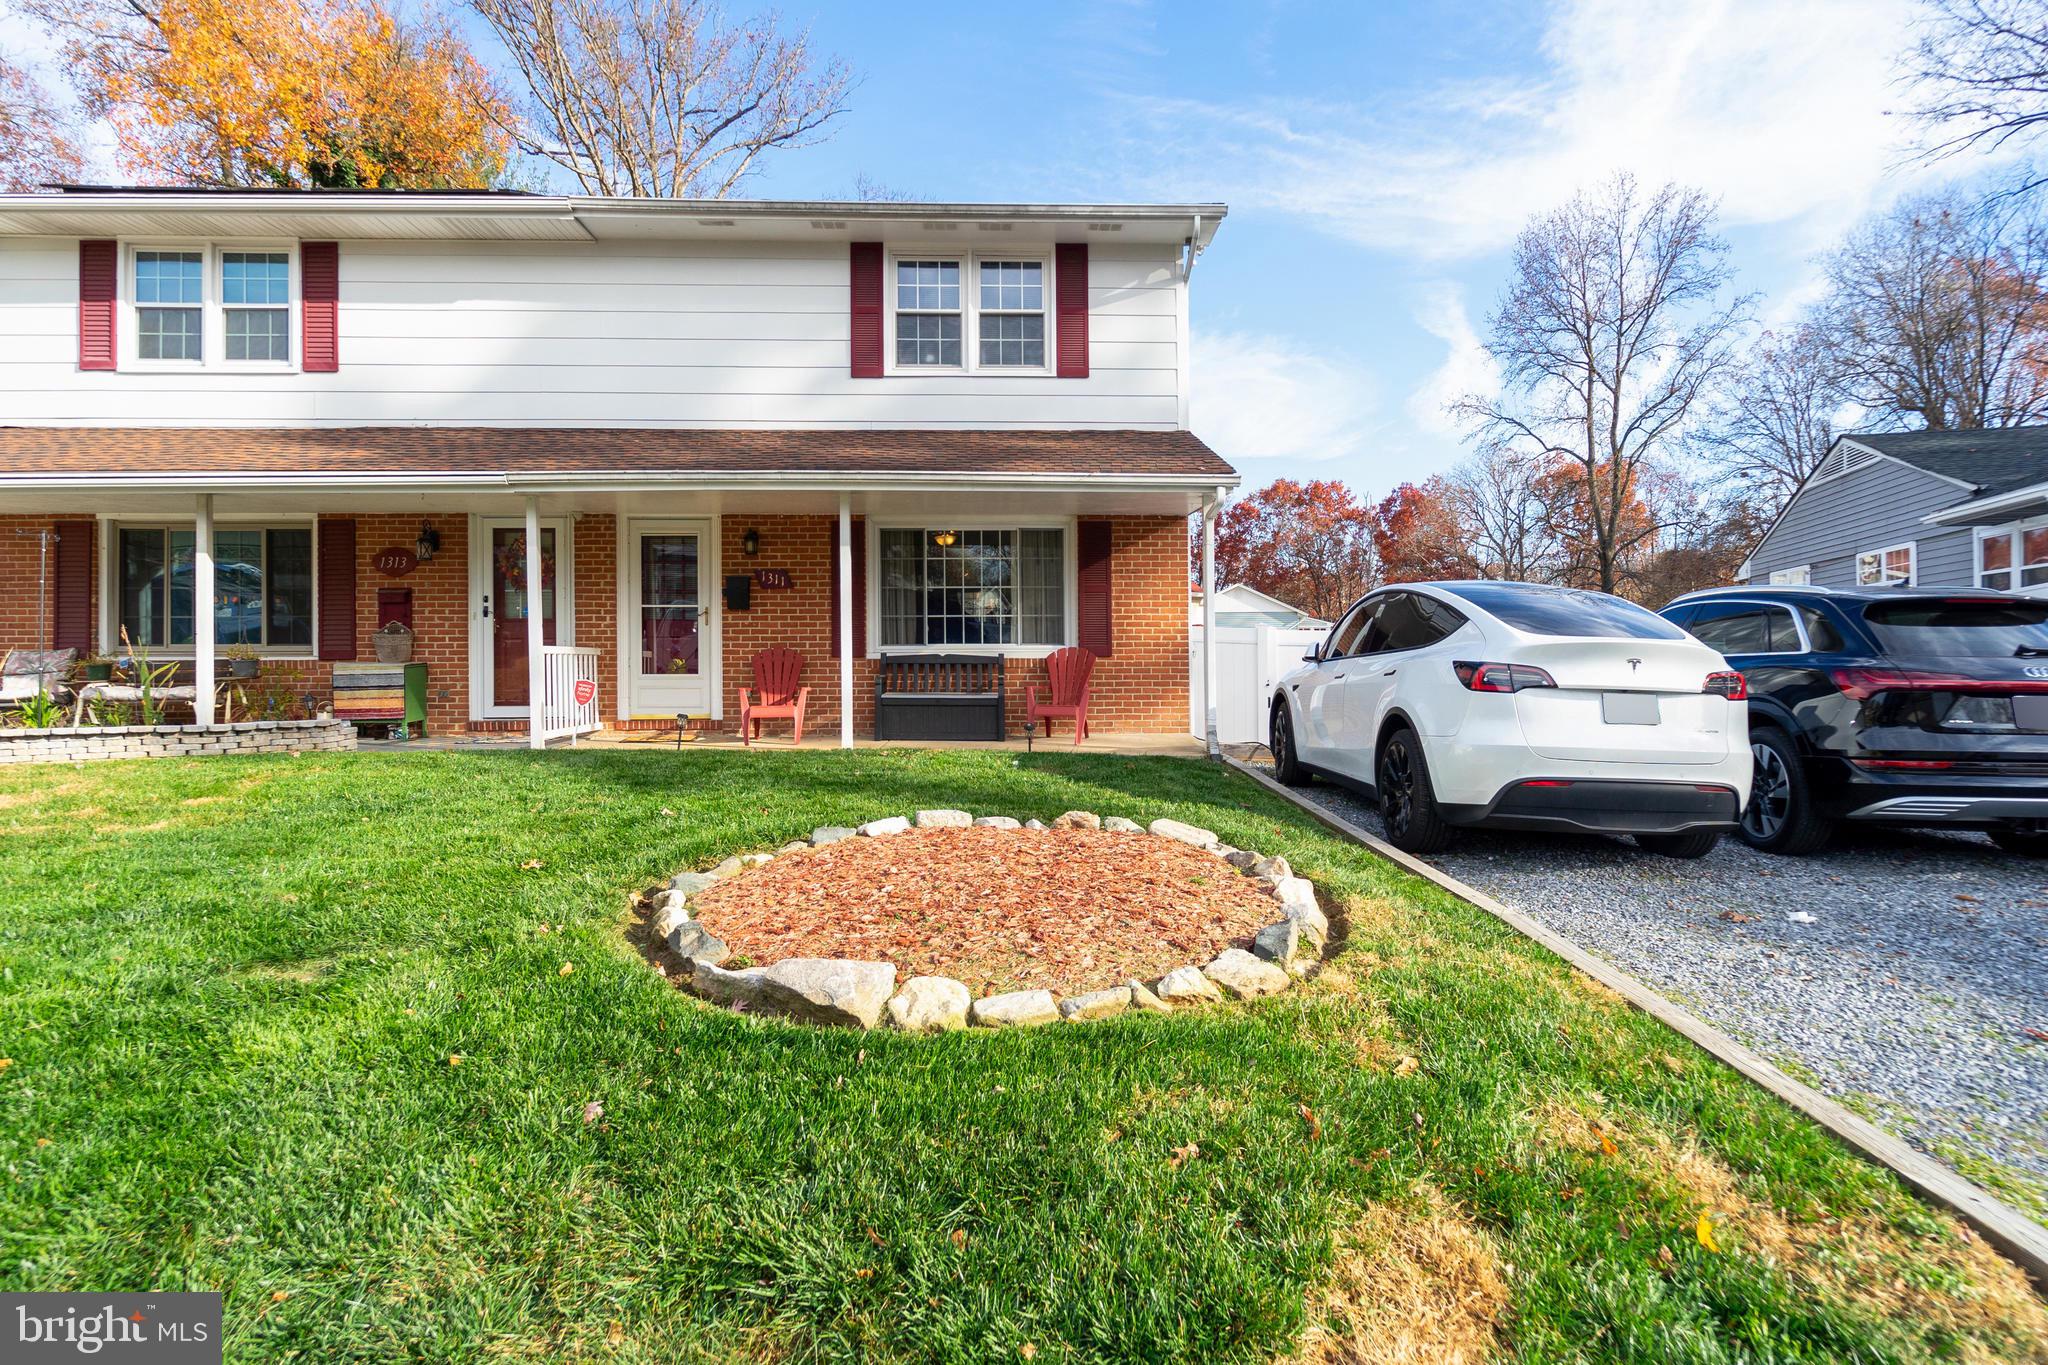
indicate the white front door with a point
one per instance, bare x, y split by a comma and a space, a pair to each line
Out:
499, 602
669, 655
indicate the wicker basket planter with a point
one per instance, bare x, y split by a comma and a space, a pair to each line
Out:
394, 644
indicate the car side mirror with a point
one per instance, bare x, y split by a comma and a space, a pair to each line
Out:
1314, 656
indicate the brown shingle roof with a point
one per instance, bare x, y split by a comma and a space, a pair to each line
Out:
552, 450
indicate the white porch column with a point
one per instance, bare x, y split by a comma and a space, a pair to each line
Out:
202, 611
1209, 510
845, 620
536, 662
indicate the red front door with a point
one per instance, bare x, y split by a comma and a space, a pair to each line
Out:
510, 601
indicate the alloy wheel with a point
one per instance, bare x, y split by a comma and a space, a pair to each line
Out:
1770, 796
1397, 786
1283, 740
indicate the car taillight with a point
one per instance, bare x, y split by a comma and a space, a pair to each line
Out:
1911, 764
1861, 684
1501, 677
1733, 686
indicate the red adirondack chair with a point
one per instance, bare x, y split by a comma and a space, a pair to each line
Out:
776, 672
1068, 670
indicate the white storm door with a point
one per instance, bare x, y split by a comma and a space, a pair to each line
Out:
671, 659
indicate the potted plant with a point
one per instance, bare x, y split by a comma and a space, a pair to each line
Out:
242, 661
97, 668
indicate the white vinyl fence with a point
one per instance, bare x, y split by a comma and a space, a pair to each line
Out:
1250, 661
570, 692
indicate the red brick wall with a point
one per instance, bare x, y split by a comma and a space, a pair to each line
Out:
440, 609
1142, 687
597, 604
18, 557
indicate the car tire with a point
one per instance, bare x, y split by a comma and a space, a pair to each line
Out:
1692, 843
1780, 817
2024, 843
1408, 809
1286, 760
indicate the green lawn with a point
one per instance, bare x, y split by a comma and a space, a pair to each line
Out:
231, 993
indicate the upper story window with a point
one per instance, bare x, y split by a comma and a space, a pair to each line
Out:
928, 313
210, 306
1012, 313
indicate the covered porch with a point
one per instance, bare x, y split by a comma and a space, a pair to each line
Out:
658, 592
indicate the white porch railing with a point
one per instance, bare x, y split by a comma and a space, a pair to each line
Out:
569, 692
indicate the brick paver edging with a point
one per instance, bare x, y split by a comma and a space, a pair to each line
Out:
2018, 1237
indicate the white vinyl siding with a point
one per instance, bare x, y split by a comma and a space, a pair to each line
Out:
652, 334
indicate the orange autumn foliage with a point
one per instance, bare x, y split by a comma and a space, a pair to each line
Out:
286, 93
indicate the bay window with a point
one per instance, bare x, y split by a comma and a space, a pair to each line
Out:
262, 586
972, 586
2014, 557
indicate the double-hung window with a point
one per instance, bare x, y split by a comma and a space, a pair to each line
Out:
1011, 314
928, 313
262, 586
1885, 568
2013, 557
206, 306
983, 586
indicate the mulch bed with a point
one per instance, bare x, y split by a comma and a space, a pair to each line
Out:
1065, 910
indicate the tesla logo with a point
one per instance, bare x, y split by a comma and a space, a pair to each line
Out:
1634, 664
2036, 671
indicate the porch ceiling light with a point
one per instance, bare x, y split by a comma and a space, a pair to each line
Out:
428, 542
751, 541
942, 539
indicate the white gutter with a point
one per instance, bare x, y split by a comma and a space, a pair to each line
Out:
621, 481
1965, 512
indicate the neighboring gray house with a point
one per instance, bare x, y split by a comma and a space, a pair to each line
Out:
1966, 509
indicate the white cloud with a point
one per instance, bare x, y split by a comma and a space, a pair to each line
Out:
1779, 109
1466, 367
1264, 397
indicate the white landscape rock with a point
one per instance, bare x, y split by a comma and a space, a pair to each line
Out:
1034, 824
671, 915
998, 822
1187, 834
1294, 891
1079, 1009
1289, 945
816, 990
1117, 824
1142, 998
756, 859
1017, 1009
944, 819
1274, 867
692, 942
829, 834
930, 1004
1245, 976
793, 846
726, 869
1312, 920
1243, 859
1078, 819
690, 883
893, 824
1186, 986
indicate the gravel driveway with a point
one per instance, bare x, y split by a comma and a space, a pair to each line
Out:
1910, 997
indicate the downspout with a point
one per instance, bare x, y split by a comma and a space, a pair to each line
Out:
1185, 268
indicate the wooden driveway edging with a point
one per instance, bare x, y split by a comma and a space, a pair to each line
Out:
2018, 1237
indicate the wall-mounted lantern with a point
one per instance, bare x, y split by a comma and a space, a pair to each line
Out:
750, 543
428, 542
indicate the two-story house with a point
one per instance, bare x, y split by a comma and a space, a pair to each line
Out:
1944, 509
668, 434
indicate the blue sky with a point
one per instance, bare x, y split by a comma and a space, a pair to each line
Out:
1377, 158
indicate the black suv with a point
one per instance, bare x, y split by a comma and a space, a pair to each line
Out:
1896, 706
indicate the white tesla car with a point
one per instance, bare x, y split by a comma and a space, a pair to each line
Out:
1519, 706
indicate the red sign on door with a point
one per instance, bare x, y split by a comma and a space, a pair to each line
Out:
773, 580
586, 691
395, 562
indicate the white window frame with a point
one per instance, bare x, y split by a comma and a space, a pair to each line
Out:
213, 345
1069, 574
970, 311
2017, 530
1798, 576
1912, 549
110, 528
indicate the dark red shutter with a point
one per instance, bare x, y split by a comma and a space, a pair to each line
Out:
1070, 291
319, 307
865, 280
98, 265
71, 587
860, 588
1092, 554
336, 568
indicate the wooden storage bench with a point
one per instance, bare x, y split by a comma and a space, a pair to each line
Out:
382, 694
939, 696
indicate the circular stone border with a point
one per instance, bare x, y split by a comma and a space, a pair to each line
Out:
843, 991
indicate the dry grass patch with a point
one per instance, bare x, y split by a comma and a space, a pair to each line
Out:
1408, 1288
1949, 1278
